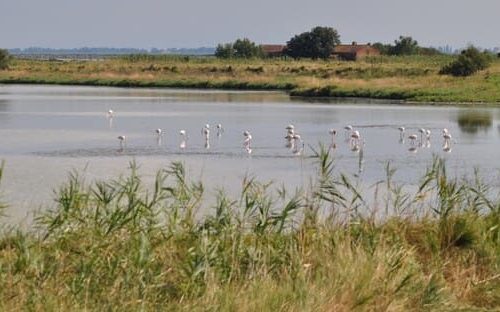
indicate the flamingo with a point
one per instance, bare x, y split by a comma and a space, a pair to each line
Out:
247, 141
347, 129
123, 141
220, 130
413, 138
401, 134
295, 139
159, 133
428, 138
205, 131
447, 138
184, 137
333, 133
355, 136
422, 133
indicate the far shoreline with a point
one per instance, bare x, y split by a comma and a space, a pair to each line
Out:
305, 98
408, 80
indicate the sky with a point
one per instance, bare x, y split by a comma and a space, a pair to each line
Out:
198, 23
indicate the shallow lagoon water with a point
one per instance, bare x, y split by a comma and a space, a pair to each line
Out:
47, 131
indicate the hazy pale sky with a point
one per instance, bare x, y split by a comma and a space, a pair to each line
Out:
196, 23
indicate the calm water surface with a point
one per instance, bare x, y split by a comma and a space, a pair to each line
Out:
46, 131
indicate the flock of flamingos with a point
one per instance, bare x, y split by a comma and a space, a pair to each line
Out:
295, 143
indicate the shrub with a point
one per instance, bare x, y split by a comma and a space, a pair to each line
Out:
468, 62
4, 59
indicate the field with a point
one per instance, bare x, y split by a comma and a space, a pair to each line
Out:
122, 245
411, 78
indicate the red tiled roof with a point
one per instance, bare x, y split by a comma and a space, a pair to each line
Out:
349, 48
272, 48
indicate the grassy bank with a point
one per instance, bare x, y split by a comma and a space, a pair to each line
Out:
412, 78
119, 245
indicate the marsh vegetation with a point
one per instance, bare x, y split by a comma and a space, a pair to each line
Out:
411, 78
124, 245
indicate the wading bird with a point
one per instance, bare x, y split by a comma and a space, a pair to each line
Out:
159, 134
355, 136
333, 134
348, 130
184, 137
422, 133
220, 130
412, 138
205, 131
123, 141
247, 141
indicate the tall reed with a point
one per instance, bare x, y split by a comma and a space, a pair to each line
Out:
125, 245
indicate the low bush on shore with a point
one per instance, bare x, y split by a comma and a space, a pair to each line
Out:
120, 245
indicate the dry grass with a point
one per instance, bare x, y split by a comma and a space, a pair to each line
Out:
119, 245
405, 78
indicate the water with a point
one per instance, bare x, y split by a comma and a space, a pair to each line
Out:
47, 131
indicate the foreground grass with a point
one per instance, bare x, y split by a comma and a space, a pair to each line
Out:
118, 246
412, 78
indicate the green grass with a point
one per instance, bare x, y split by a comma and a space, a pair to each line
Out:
122, 245
410, 78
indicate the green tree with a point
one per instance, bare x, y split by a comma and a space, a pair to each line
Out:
384, 48
242, 48
224, 50
245, 48
405, 46
4, 59
468, 62
317, 43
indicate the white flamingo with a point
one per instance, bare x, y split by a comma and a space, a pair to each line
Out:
247, 141
348, 130
159, 134
428, 138
447, 138
401, 131
220, 130
412, 138
205, 131
355, 136
422, 133
123, 141
401, 134
333, 134
184, 138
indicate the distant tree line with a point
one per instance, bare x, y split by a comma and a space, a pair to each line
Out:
404, 45
317, 43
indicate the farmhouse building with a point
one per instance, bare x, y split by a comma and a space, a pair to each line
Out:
354, 51
273, 50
